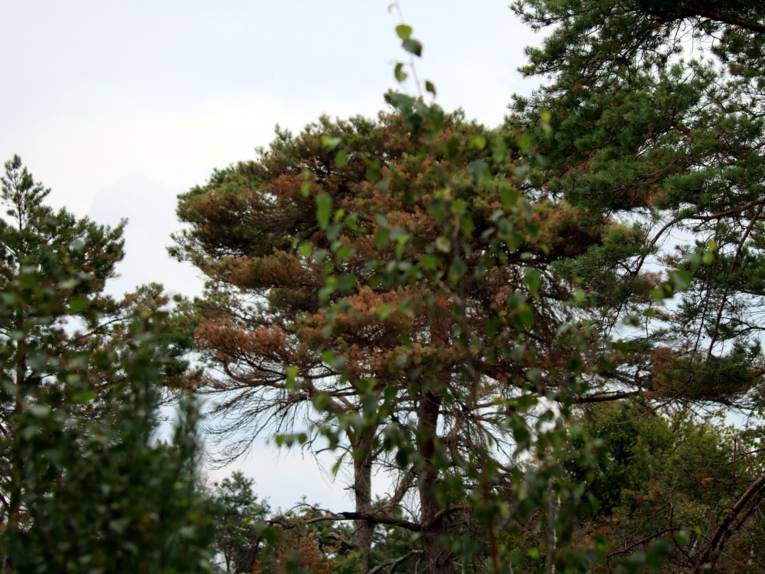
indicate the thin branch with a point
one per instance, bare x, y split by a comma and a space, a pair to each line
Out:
394, 563
375, 517
721, 534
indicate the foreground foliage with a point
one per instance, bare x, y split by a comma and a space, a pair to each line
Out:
85, 485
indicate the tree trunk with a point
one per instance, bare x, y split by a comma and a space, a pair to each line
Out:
362, 489
437, 557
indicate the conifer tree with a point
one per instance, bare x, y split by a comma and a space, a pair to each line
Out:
52, 266
386, 274
650, 134
426, 283
657, 114
85, 485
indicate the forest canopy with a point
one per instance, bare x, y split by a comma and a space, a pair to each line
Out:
536, 347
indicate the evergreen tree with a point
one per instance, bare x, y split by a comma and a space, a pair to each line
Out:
86, 486
52, 267
240, 523
663, 481
388, 281
656, 115
432, 287
651, 135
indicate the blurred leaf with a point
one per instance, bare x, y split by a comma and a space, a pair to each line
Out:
323, 208
412, 46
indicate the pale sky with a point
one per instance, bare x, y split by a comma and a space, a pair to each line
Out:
120, 105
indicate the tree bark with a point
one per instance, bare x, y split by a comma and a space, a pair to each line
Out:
436, 556
709, 554
362, 488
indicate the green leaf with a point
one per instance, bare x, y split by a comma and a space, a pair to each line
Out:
478, 169
383, 312
292, 373
467, 225
401, 245
534, 375
492, 326
77, 305
412, 46
456, 270
39, 411
709, 253
323, 208
443, 244
460, 206
430, 88
381, 237
478, 142
119, 525
305, 249
526, 315
498, 149
399, 72
84, 396
430, 262
404, 31
532, 280
509, 197
320, 401
347, 282
524, 142
341, 158
70, 283
330, 142
343, 252
681, 279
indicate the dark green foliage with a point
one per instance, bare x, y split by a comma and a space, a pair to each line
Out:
656, 121
241, 533
251, 538
85, 486
666, 478
670, 145
102, 495
601, 39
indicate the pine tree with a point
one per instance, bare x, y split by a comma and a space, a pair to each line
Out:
240, 524
51, 266
656, 113
85, 485
649, 136
386, 274
431, 287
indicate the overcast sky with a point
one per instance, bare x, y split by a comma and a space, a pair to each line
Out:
120, 105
